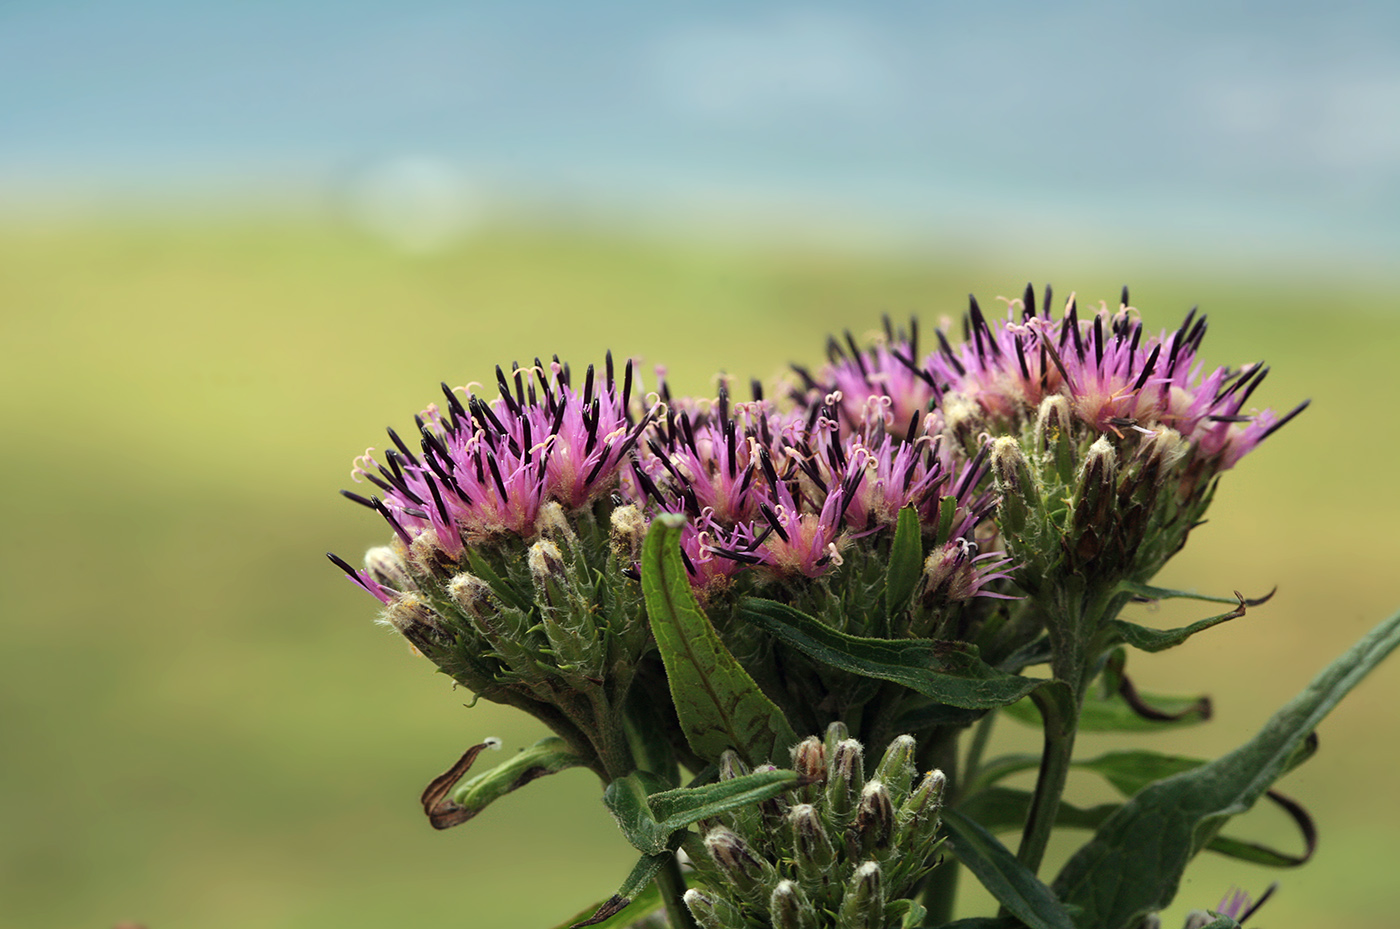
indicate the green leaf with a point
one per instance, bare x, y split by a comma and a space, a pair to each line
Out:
985, 922
718, 704
547, 756
650, 815
638, 896
1156, 640
1133, 865
1147, 592
448, 806
904, 914
949, 672
1113, 714
1005, 878
678, 808
906, 562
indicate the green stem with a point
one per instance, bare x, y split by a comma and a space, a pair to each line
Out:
672, 887
980, 737
1060, 730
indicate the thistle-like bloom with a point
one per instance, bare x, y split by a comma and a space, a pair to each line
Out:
1117, 377
486, 468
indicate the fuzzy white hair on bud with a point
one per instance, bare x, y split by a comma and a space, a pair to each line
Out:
493, 743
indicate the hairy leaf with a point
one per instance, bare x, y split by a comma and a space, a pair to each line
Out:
638, 896
949, 672
906, 562
718, 703
1005, 878
1133, 865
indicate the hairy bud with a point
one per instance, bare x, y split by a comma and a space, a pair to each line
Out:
863, 907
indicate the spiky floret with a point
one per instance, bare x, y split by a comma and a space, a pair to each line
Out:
486, 467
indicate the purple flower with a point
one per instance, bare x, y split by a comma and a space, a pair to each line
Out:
1115, 375
486, 467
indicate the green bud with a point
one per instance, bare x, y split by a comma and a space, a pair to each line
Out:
917, 819
552, 523
896, 768
1054, 435
1092, 524
386, 566
713, 912
845, 780
874, 826
809, 761
1019, 489
547, 571
812, 848
789, 908
835, 734
415, 620
749, 874
863, 907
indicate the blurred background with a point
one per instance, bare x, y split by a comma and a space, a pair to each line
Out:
238, 240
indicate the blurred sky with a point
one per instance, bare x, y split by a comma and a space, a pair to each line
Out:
1269, 127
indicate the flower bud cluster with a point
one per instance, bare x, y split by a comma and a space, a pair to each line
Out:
835, 853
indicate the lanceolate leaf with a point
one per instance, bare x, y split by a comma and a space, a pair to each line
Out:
718, 704
1133, 865
949, 672
651, 818
906, 561
448, 806
637, 895
1156, 640
1005, 878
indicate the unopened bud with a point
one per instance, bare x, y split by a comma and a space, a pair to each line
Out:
553, 523
918, 817
809, 761
629, 528
473, 595
896, 768
789, 908
874, 818
1150, 921
748, 873
812, 848
547, 571
416, 621
1095, 498
389, 570
1019, 489
427, 554
712, 911
1054, 434
863, 907
1155, 460
836, 733
845, 780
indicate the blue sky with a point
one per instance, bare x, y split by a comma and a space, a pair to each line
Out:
1208, 120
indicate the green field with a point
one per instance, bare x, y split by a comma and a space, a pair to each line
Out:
202, 727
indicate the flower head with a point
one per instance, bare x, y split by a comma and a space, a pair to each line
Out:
485, 468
